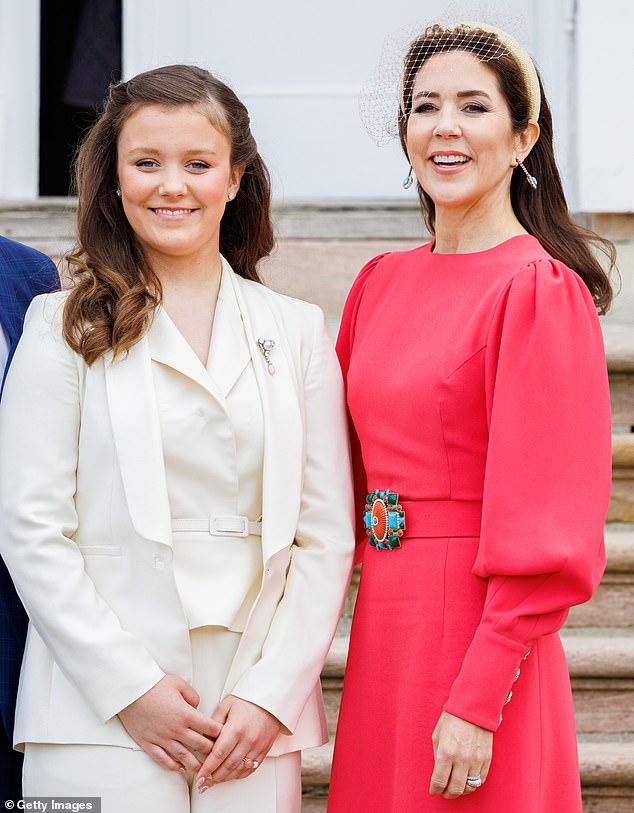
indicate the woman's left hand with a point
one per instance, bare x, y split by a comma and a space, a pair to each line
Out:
247, 735
461, 749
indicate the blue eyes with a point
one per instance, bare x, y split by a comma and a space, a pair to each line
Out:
149, 163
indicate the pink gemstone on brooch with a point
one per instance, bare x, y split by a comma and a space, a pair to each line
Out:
266, 345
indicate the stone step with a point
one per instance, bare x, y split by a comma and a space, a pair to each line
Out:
611, 606
601, 667
613, 603
319, 253
602, 676
622, 499
607, 777
321, 245
619, 349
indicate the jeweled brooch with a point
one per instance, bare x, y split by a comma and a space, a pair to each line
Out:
266, 345
384, 519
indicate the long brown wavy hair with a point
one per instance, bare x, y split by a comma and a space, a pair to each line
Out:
543, 212
115, 292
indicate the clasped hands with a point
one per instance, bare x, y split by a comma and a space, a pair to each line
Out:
166, 724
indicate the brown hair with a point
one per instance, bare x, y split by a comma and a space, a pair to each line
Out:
115, 292
543, 212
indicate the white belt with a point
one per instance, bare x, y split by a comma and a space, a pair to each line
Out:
218, 525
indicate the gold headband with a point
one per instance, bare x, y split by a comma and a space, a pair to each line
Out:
519, 54
524, 62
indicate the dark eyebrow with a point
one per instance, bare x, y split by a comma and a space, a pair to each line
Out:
462, 93
154, 151
430, 94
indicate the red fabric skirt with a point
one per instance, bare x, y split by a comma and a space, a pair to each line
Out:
416, 614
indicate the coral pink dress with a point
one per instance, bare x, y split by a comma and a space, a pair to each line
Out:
478, 391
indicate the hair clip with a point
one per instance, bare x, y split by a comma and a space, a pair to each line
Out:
266, 345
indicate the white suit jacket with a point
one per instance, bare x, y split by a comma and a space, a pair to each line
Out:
85, 528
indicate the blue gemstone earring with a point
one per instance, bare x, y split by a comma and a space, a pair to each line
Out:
532, 180
408, 181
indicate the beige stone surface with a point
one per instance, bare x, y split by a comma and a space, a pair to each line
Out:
608, 764
622, 310
597, 656
621, 508
619, 543
316, 764
314, 804
622, 398
323, 271
623, 451
615, 226
602, 709
611, 606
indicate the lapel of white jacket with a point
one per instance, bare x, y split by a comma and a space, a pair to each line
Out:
137, 436
283, 438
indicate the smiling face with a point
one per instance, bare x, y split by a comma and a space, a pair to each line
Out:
460, 141
175, 176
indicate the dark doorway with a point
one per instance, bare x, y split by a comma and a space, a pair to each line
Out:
80, 55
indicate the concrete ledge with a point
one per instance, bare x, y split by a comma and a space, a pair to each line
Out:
316, 764
608, 764
602, 764
619, 543
599, 656
336, 661
616, 226
623, 451
619, 346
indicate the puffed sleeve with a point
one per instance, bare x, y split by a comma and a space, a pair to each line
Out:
345, 349
547, 481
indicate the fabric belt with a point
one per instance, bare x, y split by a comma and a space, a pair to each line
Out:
219, 525
441, 518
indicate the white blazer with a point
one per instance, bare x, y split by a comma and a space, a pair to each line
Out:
85, 528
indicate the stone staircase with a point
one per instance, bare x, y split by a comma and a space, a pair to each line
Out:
320, 250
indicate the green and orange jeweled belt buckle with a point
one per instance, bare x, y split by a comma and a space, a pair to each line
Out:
384, 520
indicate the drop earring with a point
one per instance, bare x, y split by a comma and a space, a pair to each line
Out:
532, 180
408, 180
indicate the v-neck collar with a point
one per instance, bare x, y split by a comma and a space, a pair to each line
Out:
228, 349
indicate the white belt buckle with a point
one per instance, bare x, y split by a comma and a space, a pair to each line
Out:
229, 526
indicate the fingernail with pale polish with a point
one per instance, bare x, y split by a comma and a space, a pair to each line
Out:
200, 782
202, 790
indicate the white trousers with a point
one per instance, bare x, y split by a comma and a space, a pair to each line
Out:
129, 781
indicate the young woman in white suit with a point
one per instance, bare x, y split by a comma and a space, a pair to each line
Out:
176, 506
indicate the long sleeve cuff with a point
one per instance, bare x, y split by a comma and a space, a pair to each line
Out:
486, 678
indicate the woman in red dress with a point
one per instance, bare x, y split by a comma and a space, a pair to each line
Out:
479, 403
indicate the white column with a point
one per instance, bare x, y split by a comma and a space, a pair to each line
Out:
19, 98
